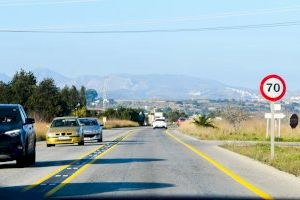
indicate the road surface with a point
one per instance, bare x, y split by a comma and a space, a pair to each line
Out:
142, 162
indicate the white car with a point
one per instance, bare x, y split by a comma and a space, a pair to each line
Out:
160, 123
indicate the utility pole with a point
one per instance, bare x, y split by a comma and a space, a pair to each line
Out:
104, 94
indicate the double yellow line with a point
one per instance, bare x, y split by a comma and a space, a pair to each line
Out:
70, 178
223, 169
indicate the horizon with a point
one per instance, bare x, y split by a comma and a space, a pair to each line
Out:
116, 74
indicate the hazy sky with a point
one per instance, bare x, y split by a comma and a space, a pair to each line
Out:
236, 57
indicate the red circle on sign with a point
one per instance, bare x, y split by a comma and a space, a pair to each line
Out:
262, 87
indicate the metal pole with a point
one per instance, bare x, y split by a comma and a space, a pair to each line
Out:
279, 128
268, 126
272, 130
275, 128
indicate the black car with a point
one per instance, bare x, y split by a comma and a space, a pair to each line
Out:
17, 135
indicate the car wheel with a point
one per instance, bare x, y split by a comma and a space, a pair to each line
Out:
100, 140
50, 145
81, 143
23, 160
32, 158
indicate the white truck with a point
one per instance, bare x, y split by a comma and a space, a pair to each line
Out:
158, 115
153, 116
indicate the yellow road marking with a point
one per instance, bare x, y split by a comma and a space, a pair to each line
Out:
38, 182
228, 172
58, 170
68, 180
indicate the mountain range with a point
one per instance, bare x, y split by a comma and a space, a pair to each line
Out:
149, 86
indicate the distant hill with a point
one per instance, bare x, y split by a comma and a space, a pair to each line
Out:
151, 86
4, 78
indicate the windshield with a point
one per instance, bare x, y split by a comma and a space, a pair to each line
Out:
10, 116
64, 123
88, 122
160, 120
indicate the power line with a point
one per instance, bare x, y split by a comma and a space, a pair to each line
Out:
54, 2
219, 28
171, 20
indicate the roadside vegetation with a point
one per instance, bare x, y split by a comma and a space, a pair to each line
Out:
173, 114
204, 121
236, 125
286, 158
124, 115
44, 100
41, 129
117, 123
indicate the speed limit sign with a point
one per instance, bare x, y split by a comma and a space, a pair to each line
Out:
273, 88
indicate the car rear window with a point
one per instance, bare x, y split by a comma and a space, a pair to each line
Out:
64, 123
10, 116
88, 122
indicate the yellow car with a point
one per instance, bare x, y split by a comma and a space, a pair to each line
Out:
65, 130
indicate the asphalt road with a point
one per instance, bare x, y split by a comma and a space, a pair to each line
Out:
141, 163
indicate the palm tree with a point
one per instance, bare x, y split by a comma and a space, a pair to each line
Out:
204, 121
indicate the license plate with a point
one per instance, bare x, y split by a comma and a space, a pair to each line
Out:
63, 138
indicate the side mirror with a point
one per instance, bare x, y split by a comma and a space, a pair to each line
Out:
101, 125
29, 121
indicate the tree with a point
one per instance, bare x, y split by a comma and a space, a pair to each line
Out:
204, 121
82, 96
22, 87
235, 115
46, 100
74, 97
70, 99
4, 92
65, 101
125, 114
174, 115
80, 112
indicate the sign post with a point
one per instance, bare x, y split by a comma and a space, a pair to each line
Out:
272, 130
278, 118
273, 89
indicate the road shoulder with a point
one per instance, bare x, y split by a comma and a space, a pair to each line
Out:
277, 183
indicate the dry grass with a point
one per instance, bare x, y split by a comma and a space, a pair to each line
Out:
116, 123
252, 129
41, 129
286, 158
